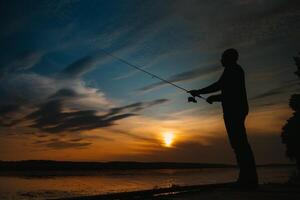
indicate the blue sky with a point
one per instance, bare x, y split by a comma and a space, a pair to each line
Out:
51, 62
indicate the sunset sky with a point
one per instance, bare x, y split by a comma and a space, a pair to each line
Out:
62, 98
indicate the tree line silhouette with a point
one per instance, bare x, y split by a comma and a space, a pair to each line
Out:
290, 132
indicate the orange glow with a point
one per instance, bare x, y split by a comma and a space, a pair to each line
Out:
141, 138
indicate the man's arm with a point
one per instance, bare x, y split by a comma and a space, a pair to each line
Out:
209, 89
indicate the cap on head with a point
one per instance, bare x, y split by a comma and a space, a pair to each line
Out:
230, 56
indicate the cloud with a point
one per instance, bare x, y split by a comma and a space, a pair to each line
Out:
135, 136
25, 61
64, 93
7, 114
7, 109
66, 141
23, 88
22, 62
139, 105
275, 91
184, 76
67, 145
82, 66
30, 89
58, 143
50, 117
269, 93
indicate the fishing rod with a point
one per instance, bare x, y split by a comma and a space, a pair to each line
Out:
140, 68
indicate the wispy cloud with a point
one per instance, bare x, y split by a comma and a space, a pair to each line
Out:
83, 65
22, 62
275, 91
58, 143
67, 145
25, 61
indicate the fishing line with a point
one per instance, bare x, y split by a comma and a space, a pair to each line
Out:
138, 67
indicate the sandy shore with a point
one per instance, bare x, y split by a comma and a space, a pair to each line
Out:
206, 192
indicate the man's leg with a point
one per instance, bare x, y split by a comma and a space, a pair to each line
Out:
238, 139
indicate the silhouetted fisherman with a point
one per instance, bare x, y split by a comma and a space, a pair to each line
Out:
235, 108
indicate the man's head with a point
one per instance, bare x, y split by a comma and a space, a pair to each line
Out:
229, 57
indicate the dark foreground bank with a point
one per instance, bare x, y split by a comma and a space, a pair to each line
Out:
205, 192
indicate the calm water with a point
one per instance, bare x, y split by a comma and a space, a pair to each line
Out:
41, 185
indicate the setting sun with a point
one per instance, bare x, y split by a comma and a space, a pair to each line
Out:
168, 138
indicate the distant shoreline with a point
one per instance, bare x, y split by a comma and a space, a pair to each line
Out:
47, 165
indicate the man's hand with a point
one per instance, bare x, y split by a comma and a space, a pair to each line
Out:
210, 99
214, 98
194, 92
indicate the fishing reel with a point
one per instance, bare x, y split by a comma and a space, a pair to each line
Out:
192, 99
